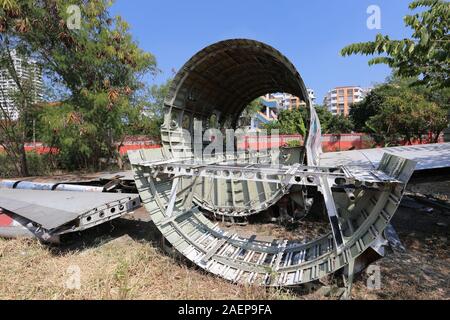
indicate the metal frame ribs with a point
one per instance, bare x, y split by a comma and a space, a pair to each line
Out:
278, 262
282, 174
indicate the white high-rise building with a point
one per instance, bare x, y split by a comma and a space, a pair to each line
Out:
288, 101
30, 75
340, 99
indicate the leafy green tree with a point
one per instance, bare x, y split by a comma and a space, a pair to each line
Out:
147, 115
14, 130
323, 114
273, 125
339, 124
406, 116
291, 122
99, 65
362, 111
325, 117
426, 56
395, 112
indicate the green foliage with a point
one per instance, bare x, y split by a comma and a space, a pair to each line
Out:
272, 125
339, 124
147, 115
325, 117
293, 122
323, 114
426, 56
37, 165
406, 117
395, 112
293, 143
360, 112
99, 65
289, 122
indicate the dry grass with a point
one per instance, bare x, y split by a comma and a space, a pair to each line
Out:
119, 269
129, 264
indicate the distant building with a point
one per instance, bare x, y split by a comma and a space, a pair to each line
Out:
287, 101
268, 113
27, 70
273, 103
340, 99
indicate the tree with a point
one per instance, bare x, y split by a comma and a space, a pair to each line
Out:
273, 125
362, 111
14, 130
289, 122
426, 56
99, 65
148, 113
325, 117
323, 114
339, 124
395, 112
406, 116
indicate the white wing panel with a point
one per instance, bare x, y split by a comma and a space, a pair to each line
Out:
427, 156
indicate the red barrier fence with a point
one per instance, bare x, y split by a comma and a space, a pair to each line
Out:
330, 143
339, 142
262, 142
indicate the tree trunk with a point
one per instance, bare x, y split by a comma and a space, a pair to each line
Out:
23, 162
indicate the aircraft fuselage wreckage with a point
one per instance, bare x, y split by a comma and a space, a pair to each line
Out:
186, 180
178, 185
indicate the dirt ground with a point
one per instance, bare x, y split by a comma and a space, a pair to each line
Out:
124, 260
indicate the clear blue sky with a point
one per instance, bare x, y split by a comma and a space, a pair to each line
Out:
310, 33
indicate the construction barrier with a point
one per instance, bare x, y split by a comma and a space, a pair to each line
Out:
330, 143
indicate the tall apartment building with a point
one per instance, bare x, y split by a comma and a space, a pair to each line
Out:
340, 99
29, 74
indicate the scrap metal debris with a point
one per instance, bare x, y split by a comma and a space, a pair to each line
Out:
360, 190
48, 210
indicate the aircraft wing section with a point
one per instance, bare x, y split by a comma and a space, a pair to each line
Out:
427, 156
47, 213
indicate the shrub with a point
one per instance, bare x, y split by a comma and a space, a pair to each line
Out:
38, 165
